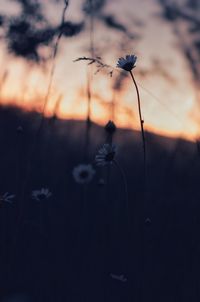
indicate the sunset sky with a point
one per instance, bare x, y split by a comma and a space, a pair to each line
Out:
167, 92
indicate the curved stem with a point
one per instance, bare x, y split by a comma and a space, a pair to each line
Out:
141, 122
88, 119
145, 178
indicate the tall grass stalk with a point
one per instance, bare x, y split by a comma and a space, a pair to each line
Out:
89, 80
112, 107
3, 81
109, 140
37, 134
128, 238
53, 63
123, 176
88, 118
87, 146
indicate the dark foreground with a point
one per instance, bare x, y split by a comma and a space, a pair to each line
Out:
66, 248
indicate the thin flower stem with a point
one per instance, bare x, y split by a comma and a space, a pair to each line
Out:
123, 176
88, 119
143, 210
122, 173
89, 82
141, 123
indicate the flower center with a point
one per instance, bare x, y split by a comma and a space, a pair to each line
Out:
42, 196
128, 66
84, 174
110, 156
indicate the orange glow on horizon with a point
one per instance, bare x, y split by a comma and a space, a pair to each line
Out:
168, 103
100, 115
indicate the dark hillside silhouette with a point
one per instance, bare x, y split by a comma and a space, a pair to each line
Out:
70, 256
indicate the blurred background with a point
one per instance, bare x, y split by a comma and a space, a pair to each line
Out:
163, 34
69, 245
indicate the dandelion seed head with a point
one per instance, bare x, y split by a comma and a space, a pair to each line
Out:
83, 173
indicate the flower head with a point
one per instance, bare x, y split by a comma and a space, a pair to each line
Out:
42, 194
83, 174
105, 155
6, 197
127, 63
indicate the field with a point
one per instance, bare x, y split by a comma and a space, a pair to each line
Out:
67, 247
100, 151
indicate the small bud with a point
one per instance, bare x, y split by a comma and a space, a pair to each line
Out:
20, 129
147, 221
110, 127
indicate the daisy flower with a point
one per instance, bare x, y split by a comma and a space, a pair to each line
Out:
6, 197
127, 63
42, 194
105, 155
83, 174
